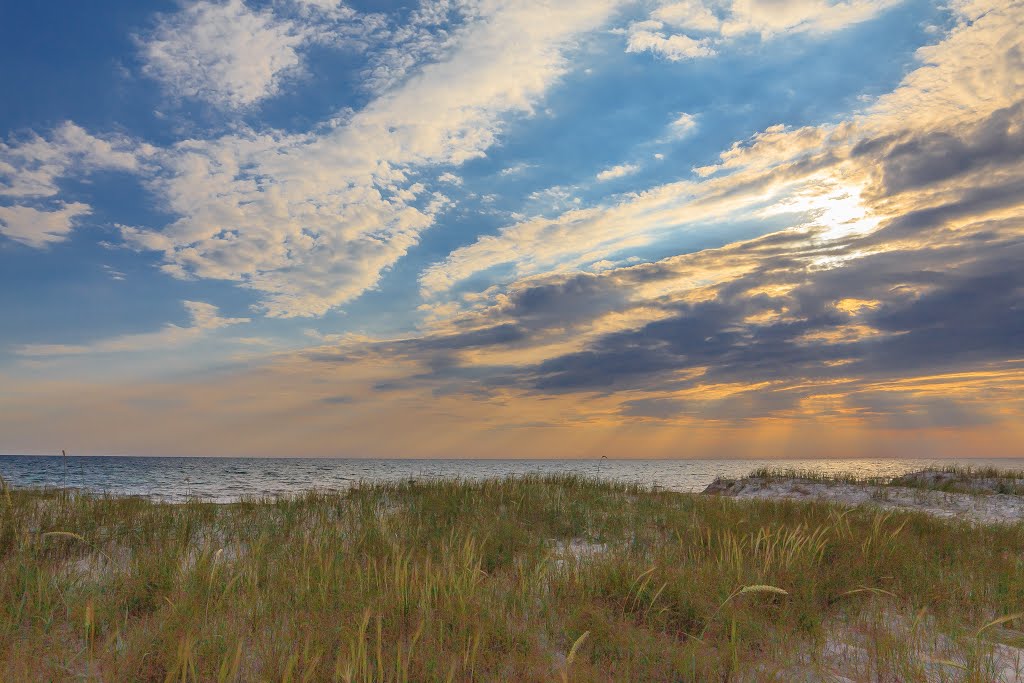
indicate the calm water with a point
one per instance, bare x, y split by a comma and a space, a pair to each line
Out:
226, 479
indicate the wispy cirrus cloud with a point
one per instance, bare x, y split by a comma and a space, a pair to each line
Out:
312, 220
694, 29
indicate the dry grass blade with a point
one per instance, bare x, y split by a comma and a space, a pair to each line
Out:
64, 534
947, 662
571, 657
742, 590
997, 622
761, 588
70, 535
869, 589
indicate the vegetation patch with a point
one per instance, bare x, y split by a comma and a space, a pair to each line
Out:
527, 579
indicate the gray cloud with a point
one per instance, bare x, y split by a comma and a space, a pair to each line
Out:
938, 287
917, 160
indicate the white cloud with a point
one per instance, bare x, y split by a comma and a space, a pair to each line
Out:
976, 69
718, 23
617, 172
690, 14
223, 52
450, 178
516, 169
203, 318
646, 36
37, 228
323, 5
556, 198
31, 167
114, 273
312, 220
683, 125
770, 17
577, 237
810, 172
430, 32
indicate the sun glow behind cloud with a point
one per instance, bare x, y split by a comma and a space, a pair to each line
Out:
837, 208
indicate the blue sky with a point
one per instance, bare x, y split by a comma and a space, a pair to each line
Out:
447, 211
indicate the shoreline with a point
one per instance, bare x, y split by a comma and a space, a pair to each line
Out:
229, 479
953, 493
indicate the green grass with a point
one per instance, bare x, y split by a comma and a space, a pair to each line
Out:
478, 581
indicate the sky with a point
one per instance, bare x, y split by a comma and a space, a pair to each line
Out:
526, 228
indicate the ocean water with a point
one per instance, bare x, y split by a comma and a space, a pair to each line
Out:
228, 479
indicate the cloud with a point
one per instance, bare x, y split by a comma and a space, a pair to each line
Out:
338, 400
615, 172
37, 228
893, 300
977, 68
924, 320
203, 318
690, 14
430, 32
222, 52
825, 175
31, 167
890, 333
882, 308
719, 24
233, 56
683, 125
30, 171
769, 18
516, 169
584, 235
646, 36
312, 220
114, 273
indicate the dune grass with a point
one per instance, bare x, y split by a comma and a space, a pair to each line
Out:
951, 478
527, 579
818, 476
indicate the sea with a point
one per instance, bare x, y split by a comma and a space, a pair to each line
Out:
222, 480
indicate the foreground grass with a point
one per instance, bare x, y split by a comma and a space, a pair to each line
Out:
521, 579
